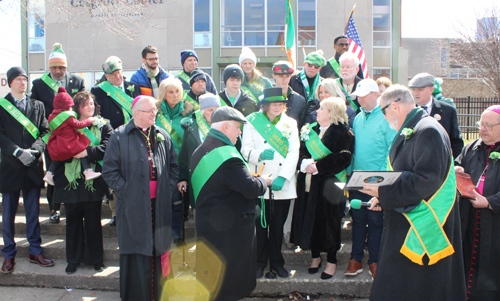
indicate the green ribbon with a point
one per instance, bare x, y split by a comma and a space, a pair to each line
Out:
184, 77
309, 90
163, 122
94, 141
50, 82
20, 117
347, 95
222, 102
335, 65
120, 97
318, 150
269, 132
186, 96
247, 90
57, 121
202, 123
275, 98
210, 163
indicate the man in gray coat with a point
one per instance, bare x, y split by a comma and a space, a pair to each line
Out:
140, 166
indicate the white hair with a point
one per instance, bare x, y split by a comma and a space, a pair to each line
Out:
349, 56
220, 124
138, 104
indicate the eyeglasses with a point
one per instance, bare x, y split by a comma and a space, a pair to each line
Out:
152, 59
385, 107
343, 44
488, 127
312, 65
149, 112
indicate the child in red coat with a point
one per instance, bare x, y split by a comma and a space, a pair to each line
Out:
66, 141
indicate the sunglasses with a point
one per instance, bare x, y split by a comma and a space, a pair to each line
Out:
312, 65
385, 107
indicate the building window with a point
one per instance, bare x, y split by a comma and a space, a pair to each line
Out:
36, 26
202, 23
382, 38
262, 22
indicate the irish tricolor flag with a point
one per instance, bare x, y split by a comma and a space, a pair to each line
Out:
290, 36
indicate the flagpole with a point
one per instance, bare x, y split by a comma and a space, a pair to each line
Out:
352, 11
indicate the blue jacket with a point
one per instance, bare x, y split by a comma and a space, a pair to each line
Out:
373, 139
140, 77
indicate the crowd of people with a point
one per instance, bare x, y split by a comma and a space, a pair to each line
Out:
258, 165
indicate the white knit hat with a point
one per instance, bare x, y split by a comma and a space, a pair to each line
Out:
247, 54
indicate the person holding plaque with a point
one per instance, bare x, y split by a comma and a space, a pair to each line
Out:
272, 138
325, 152
479, 215
420, 250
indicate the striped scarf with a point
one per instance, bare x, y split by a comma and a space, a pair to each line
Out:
152, 78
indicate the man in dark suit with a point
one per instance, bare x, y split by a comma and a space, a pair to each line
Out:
421, 249
422, 86
45, 89
332, 68
22, 124
114, 97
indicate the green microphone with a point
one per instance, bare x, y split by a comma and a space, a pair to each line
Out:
357, 204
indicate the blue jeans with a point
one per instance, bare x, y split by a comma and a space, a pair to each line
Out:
10, 201
365, 222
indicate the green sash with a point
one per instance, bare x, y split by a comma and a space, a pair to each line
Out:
309, 90
222, 102
269, 132
120, 97
247, 90
202, 123
335, 65
186, 96
426, 234
347, 95
56, 122
210, 163
50, 82
184, 77
318, 150
93, 139
163, 122
20, 117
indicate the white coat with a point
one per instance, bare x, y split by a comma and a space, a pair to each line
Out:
253, 145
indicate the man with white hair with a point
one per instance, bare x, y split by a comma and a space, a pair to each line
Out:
140, 166
421, 250
225, 194
348, 81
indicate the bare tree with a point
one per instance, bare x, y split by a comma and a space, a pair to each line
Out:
128, 18
479, 51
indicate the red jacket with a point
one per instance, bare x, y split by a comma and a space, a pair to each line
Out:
66, 141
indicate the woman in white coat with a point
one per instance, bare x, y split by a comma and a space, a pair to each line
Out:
272, 138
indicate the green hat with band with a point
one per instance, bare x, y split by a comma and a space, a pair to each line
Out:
272, 95
315, 58
112, 64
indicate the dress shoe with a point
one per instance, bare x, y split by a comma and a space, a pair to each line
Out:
325, 276
41, 260
354, 268
316, 269
99, 266
373, 269
71, 268
8, 265
112, 221
281, 271
54, 217
260, 272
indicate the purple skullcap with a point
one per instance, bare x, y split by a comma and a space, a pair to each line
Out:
136, 99
495, 108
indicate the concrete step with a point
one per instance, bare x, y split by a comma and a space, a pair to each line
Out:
27, 274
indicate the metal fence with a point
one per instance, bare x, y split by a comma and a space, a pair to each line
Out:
469, 111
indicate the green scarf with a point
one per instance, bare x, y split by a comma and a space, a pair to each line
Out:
219, 135
73, 169
309, 90
275, 121
172, 112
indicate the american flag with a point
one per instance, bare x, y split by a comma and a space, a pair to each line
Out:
355, 45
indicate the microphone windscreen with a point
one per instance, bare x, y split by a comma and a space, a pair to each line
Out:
356, 204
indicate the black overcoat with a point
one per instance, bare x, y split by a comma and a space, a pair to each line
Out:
446, 114
225, 221
40, 91
190, 143
126, 170
14, 175
473, 160
425, 159
245, 104
317, 215
81, 193
109, 108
